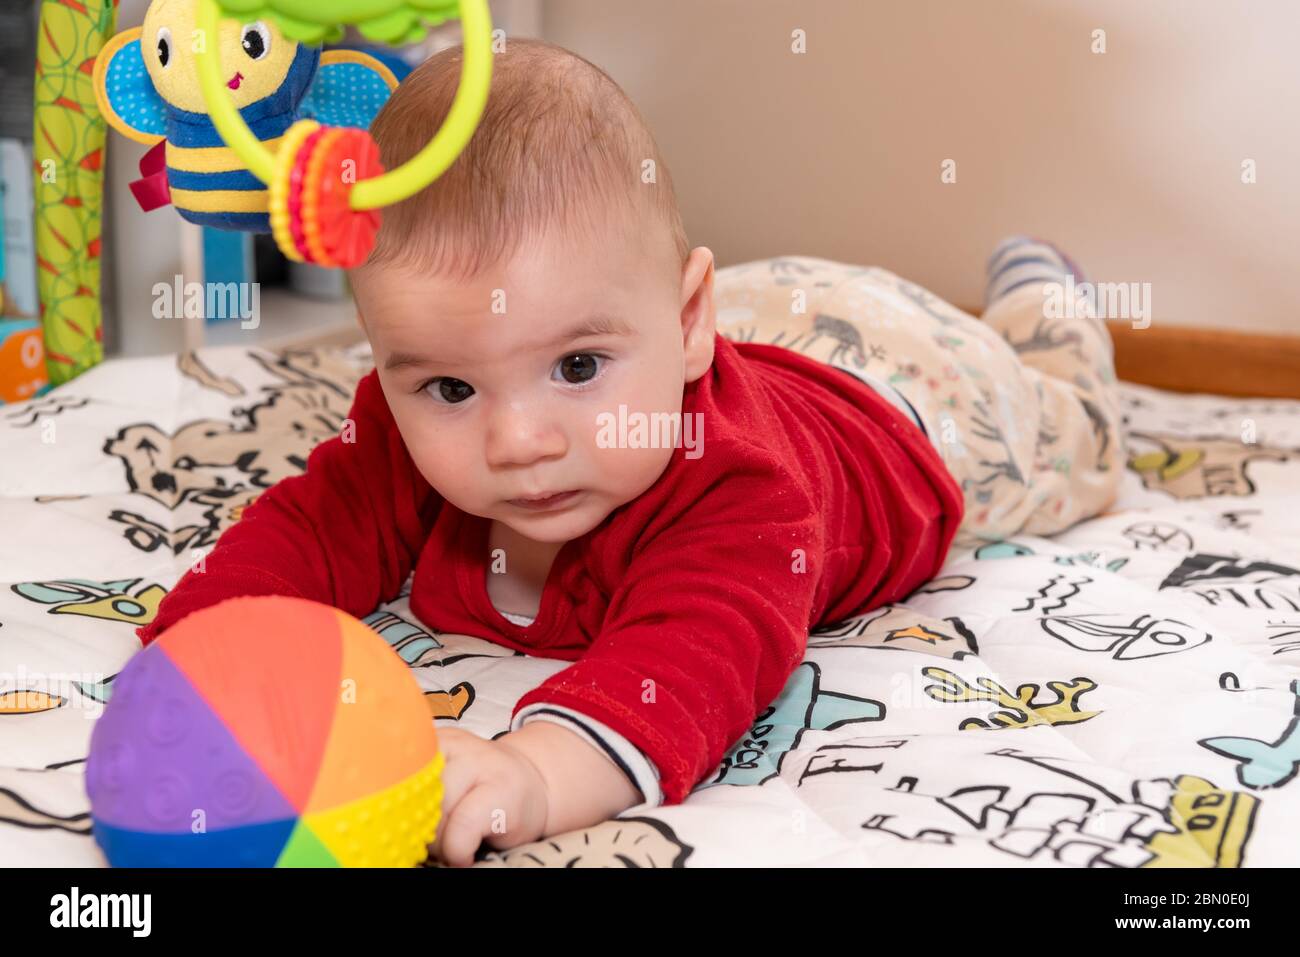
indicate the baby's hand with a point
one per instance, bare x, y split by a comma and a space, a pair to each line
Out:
491, 791
538, 780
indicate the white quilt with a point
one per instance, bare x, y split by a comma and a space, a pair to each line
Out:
1125, 694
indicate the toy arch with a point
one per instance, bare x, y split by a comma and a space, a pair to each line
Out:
397, 184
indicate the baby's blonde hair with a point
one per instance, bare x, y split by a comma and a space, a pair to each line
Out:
560, 145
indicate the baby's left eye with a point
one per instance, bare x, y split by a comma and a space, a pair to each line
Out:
579, 368
256, 40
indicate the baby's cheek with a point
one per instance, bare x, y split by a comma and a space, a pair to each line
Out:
448, 478
628, 469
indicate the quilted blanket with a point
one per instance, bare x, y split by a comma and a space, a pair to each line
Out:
1125, 694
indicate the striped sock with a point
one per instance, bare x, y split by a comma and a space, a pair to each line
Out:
1020, 260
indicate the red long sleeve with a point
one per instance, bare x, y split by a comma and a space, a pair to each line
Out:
705, 629
347, 532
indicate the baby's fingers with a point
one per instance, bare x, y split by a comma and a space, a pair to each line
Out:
464, 827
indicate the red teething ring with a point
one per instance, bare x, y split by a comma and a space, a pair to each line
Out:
295, 197
347, 234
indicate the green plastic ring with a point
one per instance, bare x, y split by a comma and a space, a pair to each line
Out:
397, 184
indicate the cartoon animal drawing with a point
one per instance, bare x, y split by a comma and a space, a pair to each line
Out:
1240, 519
1286, 634
27, 414
1127, 638
622, 842
1228, 681
209, 471
412, 643
127, 601
419, 649
1048, 335
1204, 825
800, 707
450, 704
829, 339
1158, 536
928, 302
194, 369
1188, 468
898, 628
1264, 764
1100, 430
1009, 549
847, 339
1071, 818
1018, 710
945, 583
17, 810
984, 426
29, 701
99, 691
1237, 582
1055, 595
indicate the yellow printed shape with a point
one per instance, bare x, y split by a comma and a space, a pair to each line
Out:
29, 702
1213, 826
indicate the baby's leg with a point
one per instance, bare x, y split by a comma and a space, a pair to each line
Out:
1065, 351
1030, 450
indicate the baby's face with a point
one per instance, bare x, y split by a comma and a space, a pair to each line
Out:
498, 384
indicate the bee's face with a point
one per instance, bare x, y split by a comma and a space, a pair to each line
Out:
255, 57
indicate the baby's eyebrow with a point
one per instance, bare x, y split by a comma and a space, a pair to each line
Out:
598, 325
397, 360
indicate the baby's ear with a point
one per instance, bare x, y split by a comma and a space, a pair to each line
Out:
699, 314
125, 91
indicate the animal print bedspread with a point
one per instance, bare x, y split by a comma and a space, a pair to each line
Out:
1123, 695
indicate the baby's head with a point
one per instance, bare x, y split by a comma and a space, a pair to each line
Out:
544, 279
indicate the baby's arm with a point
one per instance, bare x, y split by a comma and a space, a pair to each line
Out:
583, 787
346, 533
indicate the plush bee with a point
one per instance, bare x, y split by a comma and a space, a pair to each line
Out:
146, 82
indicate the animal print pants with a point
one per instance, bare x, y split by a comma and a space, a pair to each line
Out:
1021, 405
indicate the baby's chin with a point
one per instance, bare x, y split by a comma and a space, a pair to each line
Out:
559, 526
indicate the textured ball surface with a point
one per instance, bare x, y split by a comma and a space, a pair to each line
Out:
265, 732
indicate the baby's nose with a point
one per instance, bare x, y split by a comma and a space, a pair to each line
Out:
520, 433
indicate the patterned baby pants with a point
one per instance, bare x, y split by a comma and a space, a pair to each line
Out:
1020, 404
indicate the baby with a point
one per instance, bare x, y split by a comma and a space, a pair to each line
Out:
575, 463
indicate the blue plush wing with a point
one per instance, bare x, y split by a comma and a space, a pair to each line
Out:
349, 90
133, 106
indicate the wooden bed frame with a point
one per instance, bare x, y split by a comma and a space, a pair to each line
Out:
1218, 361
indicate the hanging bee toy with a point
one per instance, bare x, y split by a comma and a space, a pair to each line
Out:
258, 130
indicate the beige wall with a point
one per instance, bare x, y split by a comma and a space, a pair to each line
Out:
1130, 159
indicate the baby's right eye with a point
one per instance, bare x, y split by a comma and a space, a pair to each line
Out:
449, 390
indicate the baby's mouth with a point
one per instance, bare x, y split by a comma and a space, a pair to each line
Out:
546, 503
235, 81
